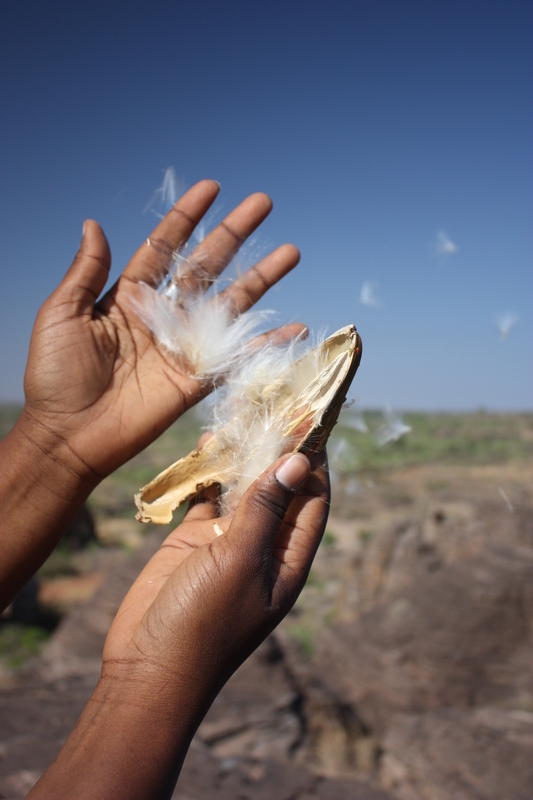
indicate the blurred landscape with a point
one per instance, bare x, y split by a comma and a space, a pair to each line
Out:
405, 669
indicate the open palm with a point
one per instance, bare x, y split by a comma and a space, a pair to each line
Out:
95, 376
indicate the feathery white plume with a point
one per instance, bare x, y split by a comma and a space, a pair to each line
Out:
250, 418
200, 330
353, 418
444, 247
392, 429
275, 398
279, 399
342, 455
505, 323
166, 195
368, 296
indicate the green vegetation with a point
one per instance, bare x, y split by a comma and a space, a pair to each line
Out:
330, 616
314, 580
114, 496
329, 539
456, 439
8, 416
18, 643
468, 439
305, 636
59, 563
437, 486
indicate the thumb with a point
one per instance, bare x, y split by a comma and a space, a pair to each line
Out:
90, 269
262, 509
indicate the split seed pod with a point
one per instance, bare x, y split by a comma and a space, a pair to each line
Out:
278, 406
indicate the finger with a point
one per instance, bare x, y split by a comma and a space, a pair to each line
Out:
90, 269
279, 523
250, 287
203, 439
305, 522
154, 257
263, 507
280, 336
205, 505
211, 257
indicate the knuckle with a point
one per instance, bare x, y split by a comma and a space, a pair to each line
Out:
270, 504
257, 279
179, 212
160, 246
233, 233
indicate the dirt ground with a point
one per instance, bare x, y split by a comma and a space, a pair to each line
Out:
404, 671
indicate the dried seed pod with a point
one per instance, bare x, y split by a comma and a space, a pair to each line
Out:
278, 406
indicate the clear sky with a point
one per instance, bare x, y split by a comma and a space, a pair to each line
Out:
374, 125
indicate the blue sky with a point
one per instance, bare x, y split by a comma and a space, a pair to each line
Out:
372, 125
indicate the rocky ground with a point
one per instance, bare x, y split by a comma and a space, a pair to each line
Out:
405, 670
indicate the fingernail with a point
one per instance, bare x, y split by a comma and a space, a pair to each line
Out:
293, 472
83, 229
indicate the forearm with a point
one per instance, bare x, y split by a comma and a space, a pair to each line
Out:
186, 625
129, 744
42, 486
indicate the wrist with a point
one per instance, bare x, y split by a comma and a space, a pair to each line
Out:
127, 744
47, 448
43, 485
177, 694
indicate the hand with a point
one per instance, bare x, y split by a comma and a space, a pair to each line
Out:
236, 586
98, 390
202, 604
95, 380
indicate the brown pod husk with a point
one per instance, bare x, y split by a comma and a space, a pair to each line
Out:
301, 405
